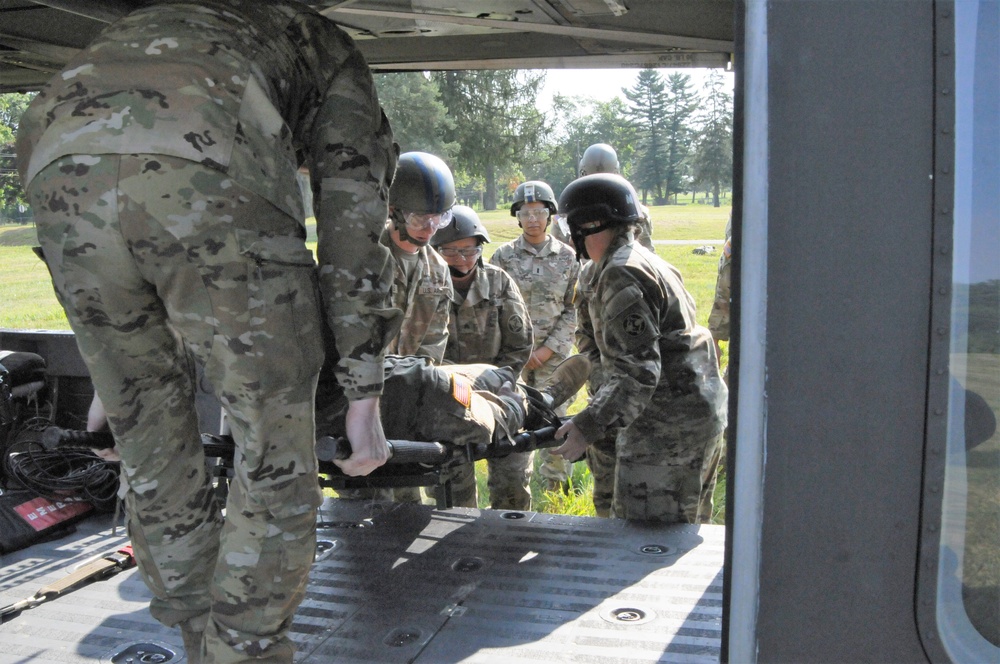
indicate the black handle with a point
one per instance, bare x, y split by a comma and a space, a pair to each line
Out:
403, 451
54, 437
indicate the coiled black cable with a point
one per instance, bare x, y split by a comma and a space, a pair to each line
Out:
58, 474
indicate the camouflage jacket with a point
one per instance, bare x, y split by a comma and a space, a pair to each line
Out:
655, 360
254, 90
718, 319
490, 324
546, 278
425, 301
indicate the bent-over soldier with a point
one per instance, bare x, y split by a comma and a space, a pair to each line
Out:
161, 167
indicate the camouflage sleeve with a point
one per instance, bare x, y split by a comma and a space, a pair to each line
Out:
644, 234
585, 343
515, 326
630, 330
500, 257
560, 338
351, 163
718, 319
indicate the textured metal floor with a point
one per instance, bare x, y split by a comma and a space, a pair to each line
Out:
405, 583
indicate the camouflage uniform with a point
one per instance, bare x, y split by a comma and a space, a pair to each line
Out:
547, 278
425, 300
660, 387
600, 452
491, 325
422, 293
462, 397
718, 319
161, 169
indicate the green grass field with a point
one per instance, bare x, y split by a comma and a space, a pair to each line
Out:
29, 303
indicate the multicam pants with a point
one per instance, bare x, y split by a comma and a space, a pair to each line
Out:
156, 261
673, 486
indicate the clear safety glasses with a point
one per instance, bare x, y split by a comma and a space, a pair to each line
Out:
533, 215
419, 222
469, 252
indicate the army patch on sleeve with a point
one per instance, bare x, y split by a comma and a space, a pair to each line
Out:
515, 324
634, 325
461, 390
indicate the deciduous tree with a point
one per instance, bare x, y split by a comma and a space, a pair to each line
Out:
419, 119
12, 106
497, 124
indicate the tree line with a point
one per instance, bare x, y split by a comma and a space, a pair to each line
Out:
671, 138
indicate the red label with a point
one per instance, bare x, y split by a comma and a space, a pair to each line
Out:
40, 513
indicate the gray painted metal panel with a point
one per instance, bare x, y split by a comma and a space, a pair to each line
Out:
407, 583
849, 245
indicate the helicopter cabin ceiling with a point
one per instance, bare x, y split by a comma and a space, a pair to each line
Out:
38, 36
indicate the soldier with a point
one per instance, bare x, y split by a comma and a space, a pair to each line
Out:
420, 202
602, 158
718, 319
161, 166
488, 324
545, 271
461, 404
660, 385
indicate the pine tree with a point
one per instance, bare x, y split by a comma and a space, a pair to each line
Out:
647, 110
712, 164
678, 132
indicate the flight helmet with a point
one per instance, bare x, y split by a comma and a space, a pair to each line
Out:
596, 202
599, 158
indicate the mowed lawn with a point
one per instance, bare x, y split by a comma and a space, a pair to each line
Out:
29, 303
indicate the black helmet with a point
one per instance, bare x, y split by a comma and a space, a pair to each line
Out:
423, 184
596, 202
599, 158
532, 192
464, 223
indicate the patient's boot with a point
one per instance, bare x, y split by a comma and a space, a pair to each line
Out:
565, 381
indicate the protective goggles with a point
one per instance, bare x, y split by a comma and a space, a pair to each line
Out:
533, 215
468, 252
419, 222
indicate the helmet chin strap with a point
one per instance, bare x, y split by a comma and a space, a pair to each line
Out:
400, 224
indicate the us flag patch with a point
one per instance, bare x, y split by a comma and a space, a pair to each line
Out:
461, 389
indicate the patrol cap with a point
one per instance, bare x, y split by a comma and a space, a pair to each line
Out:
599, 158
464, 223
423, 184
531, 192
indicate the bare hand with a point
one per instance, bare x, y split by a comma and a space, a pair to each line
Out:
97, 420
574, 445
364, 430
539, 356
